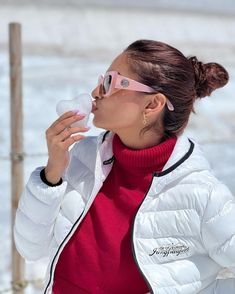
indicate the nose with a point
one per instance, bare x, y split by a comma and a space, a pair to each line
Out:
96, 93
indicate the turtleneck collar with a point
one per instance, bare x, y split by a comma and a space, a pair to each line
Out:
149, 159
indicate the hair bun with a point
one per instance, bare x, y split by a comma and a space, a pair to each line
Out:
208, 77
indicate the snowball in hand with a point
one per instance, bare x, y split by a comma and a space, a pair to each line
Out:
81, 104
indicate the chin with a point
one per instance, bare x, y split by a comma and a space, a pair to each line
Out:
97, 124
102, 125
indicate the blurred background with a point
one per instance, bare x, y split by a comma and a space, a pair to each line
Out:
67, 44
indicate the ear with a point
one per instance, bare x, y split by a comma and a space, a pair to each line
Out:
155, 104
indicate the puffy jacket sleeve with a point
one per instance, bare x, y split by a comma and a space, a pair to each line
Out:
37, 210
40, 204
218, 226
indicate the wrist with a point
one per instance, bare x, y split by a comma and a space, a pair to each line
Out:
50, 178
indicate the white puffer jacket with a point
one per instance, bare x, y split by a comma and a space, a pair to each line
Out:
183, 233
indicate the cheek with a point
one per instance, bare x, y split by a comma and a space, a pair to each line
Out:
130, 110
117, 115
129, 113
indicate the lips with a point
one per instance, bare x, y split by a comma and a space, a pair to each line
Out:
94, 107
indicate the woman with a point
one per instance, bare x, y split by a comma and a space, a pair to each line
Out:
136, 209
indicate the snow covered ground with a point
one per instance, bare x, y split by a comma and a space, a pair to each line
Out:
80, 45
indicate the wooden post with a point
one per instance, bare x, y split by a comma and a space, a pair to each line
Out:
16, 142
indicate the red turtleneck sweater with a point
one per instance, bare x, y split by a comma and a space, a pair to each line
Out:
98, 258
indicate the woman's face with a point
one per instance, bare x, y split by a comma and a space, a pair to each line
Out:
123, 109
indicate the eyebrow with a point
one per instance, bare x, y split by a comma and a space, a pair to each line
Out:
114, 70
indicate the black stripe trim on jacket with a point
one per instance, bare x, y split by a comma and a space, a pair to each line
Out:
104, 136
132, 240
174, 166
57, 252
109, 161
45, 181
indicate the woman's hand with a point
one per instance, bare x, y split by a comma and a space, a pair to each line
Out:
59, 139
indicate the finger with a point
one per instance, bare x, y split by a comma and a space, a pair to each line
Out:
68, 114
65, 123
64, 116
71, 140
65, 134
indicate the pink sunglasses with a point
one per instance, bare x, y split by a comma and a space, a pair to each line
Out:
113, 80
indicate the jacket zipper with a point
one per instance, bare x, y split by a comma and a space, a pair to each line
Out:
58, 250
132, 239
62, 243
85, 210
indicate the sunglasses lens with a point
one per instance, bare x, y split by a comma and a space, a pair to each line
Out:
107, 83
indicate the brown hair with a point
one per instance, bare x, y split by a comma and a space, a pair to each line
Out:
182, 80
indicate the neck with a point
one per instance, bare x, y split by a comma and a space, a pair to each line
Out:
135, 140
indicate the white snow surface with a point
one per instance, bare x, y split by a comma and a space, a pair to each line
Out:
66, 49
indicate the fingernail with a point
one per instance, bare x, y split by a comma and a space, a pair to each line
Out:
80, 114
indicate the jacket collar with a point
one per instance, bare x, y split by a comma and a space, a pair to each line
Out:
186, 158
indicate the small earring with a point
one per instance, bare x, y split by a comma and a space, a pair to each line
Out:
145, 120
